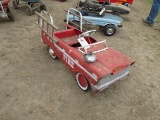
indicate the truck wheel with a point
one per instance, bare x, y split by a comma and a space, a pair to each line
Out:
82, 81
52, 53
109, 30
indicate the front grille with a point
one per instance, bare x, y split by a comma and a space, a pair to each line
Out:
109, 79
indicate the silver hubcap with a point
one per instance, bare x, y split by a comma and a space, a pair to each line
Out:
51, 52
110, 31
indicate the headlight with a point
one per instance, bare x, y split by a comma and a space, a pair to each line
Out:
90, 57
121, 23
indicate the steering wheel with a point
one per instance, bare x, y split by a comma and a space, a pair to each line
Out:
88, 33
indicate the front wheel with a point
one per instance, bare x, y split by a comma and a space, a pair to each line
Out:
109, 30
82, 81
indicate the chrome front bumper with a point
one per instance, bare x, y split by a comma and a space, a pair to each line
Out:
110, 79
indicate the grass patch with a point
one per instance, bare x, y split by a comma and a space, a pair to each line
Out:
158, 18
149, 1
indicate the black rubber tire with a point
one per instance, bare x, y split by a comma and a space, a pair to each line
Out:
29, 10
10, 14
109, 30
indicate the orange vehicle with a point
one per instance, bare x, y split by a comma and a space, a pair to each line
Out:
123, 2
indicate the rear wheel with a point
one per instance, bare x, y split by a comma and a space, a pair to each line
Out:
82, 81
10, 14
109, 30
52, 53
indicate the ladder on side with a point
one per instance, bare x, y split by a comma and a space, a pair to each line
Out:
41, 24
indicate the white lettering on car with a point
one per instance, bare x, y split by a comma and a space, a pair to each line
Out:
68, 61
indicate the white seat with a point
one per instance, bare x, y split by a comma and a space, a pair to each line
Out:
83, 43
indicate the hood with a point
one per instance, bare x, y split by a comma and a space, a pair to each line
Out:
112, 63
113, 60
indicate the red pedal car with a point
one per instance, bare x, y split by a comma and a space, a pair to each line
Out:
6, 11
95, 64
123, 2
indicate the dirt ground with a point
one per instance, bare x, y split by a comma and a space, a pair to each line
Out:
33, 86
